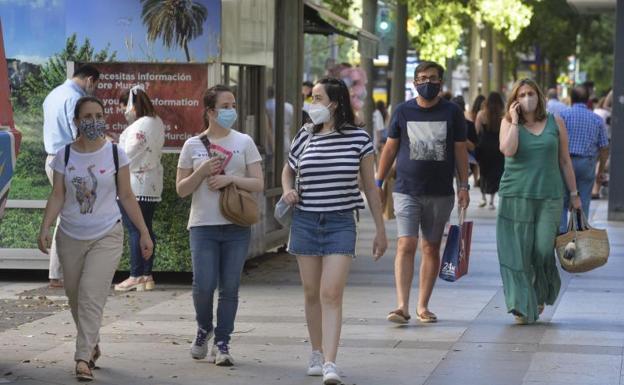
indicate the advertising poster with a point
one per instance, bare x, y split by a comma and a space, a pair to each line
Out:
176, 91
127, 38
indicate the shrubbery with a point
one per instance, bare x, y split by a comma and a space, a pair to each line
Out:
20, 227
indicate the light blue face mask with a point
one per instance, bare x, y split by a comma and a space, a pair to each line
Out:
226, 117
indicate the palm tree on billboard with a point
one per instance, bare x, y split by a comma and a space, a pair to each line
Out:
174, 21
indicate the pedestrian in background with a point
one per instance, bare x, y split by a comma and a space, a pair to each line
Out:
535, 146
588, 142
471, 116
380, 121
59, 130
329, 155
142, 141
89, 175
427, 137
491, 160
471, 137
209, 162
554, 106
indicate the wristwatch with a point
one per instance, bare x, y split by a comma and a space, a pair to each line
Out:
464, 186
574, 193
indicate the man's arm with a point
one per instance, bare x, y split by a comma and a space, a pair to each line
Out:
387, 158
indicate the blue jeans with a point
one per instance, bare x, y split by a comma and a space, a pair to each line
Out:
218, 254
585, 172
138, 265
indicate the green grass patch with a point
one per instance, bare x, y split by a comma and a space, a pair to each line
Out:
19, 228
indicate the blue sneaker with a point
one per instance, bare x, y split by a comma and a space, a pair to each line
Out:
223, 355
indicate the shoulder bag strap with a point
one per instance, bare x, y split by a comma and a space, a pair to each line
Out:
67, 149
116, 162
297, 171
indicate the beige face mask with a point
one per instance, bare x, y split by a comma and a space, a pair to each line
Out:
528, 103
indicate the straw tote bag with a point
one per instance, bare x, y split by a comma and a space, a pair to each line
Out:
587, 247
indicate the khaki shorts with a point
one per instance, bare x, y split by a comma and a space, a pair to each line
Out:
426, 215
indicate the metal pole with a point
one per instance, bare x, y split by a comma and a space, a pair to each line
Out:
616, 169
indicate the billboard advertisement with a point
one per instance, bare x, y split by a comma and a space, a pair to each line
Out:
126, 38
176, 91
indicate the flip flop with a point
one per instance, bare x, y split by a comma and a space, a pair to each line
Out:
398, 317
427, 317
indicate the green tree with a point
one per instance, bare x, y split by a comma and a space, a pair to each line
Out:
30, 96
596, 50
339, 7
174, 21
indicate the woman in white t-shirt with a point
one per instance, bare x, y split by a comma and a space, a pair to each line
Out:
218, 247
142, 141
89, 174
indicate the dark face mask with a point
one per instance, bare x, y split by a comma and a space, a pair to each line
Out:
428, 90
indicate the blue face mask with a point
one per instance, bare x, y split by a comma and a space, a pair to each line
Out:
226, 117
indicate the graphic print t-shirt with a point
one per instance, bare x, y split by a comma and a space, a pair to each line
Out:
90, 209
427, 136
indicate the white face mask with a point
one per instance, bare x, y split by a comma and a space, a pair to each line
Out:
319, 113
130, 116
528, 103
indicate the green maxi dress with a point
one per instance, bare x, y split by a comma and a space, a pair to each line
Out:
531, 195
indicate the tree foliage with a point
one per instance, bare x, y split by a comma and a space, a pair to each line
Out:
36, 86
436, 26
174, 21
339, 7
596, 50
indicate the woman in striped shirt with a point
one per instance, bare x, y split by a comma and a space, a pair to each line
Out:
321, 181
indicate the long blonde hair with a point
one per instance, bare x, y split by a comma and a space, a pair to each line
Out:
540, 111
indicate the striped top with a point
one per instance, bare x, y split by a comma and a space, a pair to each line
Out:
329, 167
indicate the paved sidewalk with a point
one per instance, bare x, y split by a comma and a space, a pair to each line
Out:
146, 336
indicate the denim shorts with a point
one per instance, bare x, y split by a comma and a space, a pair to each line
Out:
319, 234
427, 214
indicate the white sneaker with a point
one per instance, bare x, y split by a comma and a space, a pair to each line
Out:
199, 347
330, 374
315, 364
223, 357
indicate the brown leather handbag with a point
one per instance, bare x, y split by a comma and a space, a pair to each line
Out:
237, 205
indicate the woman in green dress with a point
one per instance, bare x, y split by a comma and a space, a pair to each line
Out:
535, 145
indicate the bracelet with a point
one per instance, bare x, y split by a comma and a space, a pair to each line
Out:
464, 186
574, 193
379, 182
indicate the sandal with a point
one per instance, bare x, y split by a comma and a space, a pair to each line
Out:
56, 284
398, 317
427, 317
148, 280
132, 283
97, 353
83, 372
519, 318
540, 309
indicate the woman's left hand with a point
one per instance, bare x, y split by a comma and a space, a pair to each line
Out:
217, 182
575, 203
380, 244
147, 246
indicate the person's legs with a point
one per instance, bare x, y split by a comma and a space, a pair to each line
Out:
55, 270
407, 210
310, 270
72, 254
335, 271
233, 253
205, 253
134, 237
547, 281
436, 213
515, 240
404, 271
585, 172
99, 267
148, 209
